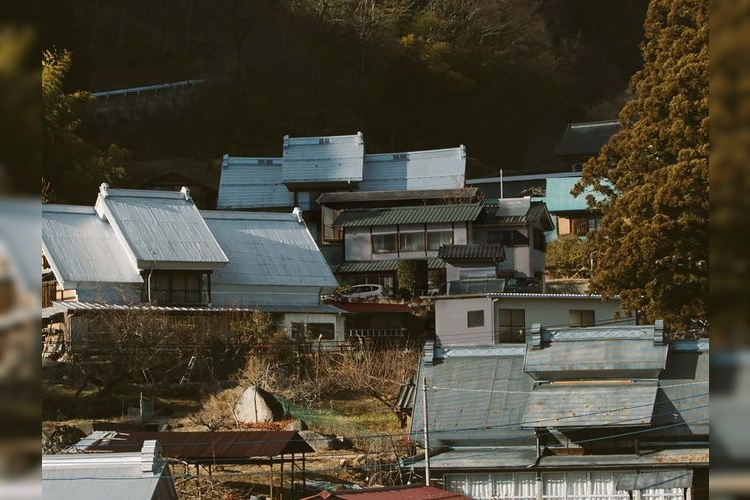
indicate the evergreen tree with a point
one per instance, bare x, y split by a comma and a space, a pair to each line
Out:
72, 167
653, 246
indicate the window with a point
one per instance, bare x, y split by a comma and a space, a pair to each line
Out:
177, 287
511, 325
313, 331
411, 242
383, 243
436, 239
582, 317
475, 318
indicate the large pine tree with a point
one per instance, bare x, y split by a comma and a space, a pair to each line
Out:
653, 246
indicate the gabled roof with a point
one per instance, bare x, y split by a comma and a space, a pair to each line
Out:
317, 161
82, 248
415, 170
160, 229
252, 183
267, 249
432, 214
585, 139
518, 212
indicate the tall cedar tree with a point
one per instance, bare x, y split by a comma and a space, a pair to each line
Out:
653, 246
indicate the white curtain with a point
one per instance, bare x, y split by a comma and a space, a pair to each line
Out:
553, 486
662, 494
525, 486
578, 485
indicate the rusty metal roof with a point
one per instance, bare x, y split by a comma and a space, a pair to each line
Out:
211, 447
473, 251
409, 492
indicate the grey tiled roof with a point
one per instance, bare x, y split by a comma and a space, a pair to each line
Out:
432, 214
472, 251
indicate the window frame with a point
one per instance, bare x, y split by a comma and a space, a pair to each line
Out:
475, 318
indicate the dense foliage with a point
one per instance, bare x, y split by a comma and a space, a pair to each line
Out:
73, 167
569, 257
653, 246
412, 277
410, 75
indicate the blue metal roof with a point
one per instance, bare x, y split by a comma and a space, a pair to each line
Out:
322, 160
559, 199
415, 170
252, 183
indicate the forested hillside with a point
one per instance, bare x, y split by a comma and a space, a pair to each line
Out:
409, 74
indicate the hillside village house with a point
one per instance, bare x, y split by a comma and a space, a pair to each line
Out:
498, 318
311, 166
459, 236
155, 249
613, 412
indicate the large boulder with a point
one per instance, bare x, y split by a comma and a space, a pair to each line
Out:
258, 406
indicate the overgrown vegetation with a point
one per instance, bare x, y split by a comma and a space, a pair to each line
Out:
568, 257
653, 243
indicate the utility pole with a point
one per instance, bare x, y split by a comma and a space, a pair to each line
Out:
426, 435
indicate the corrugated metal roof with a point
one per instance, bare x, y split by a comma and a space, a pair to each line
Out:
657, 479
590, 404
477, 398
405, 397
485, 457
408, 492
252, 183
472, 251
430, 214
281, 308
585, 139
212, 447
162, 229
372, 307
81, 248
379, 266
600, 353
321, 160
515, 457
684, 392
389, 198
267, 249
412, 170
112, 476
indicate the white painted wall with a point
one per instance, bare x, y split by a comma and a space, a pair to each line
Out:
547, 309
451, 322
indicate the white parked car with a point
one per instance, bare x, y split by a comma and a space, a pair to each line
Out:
362, 292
